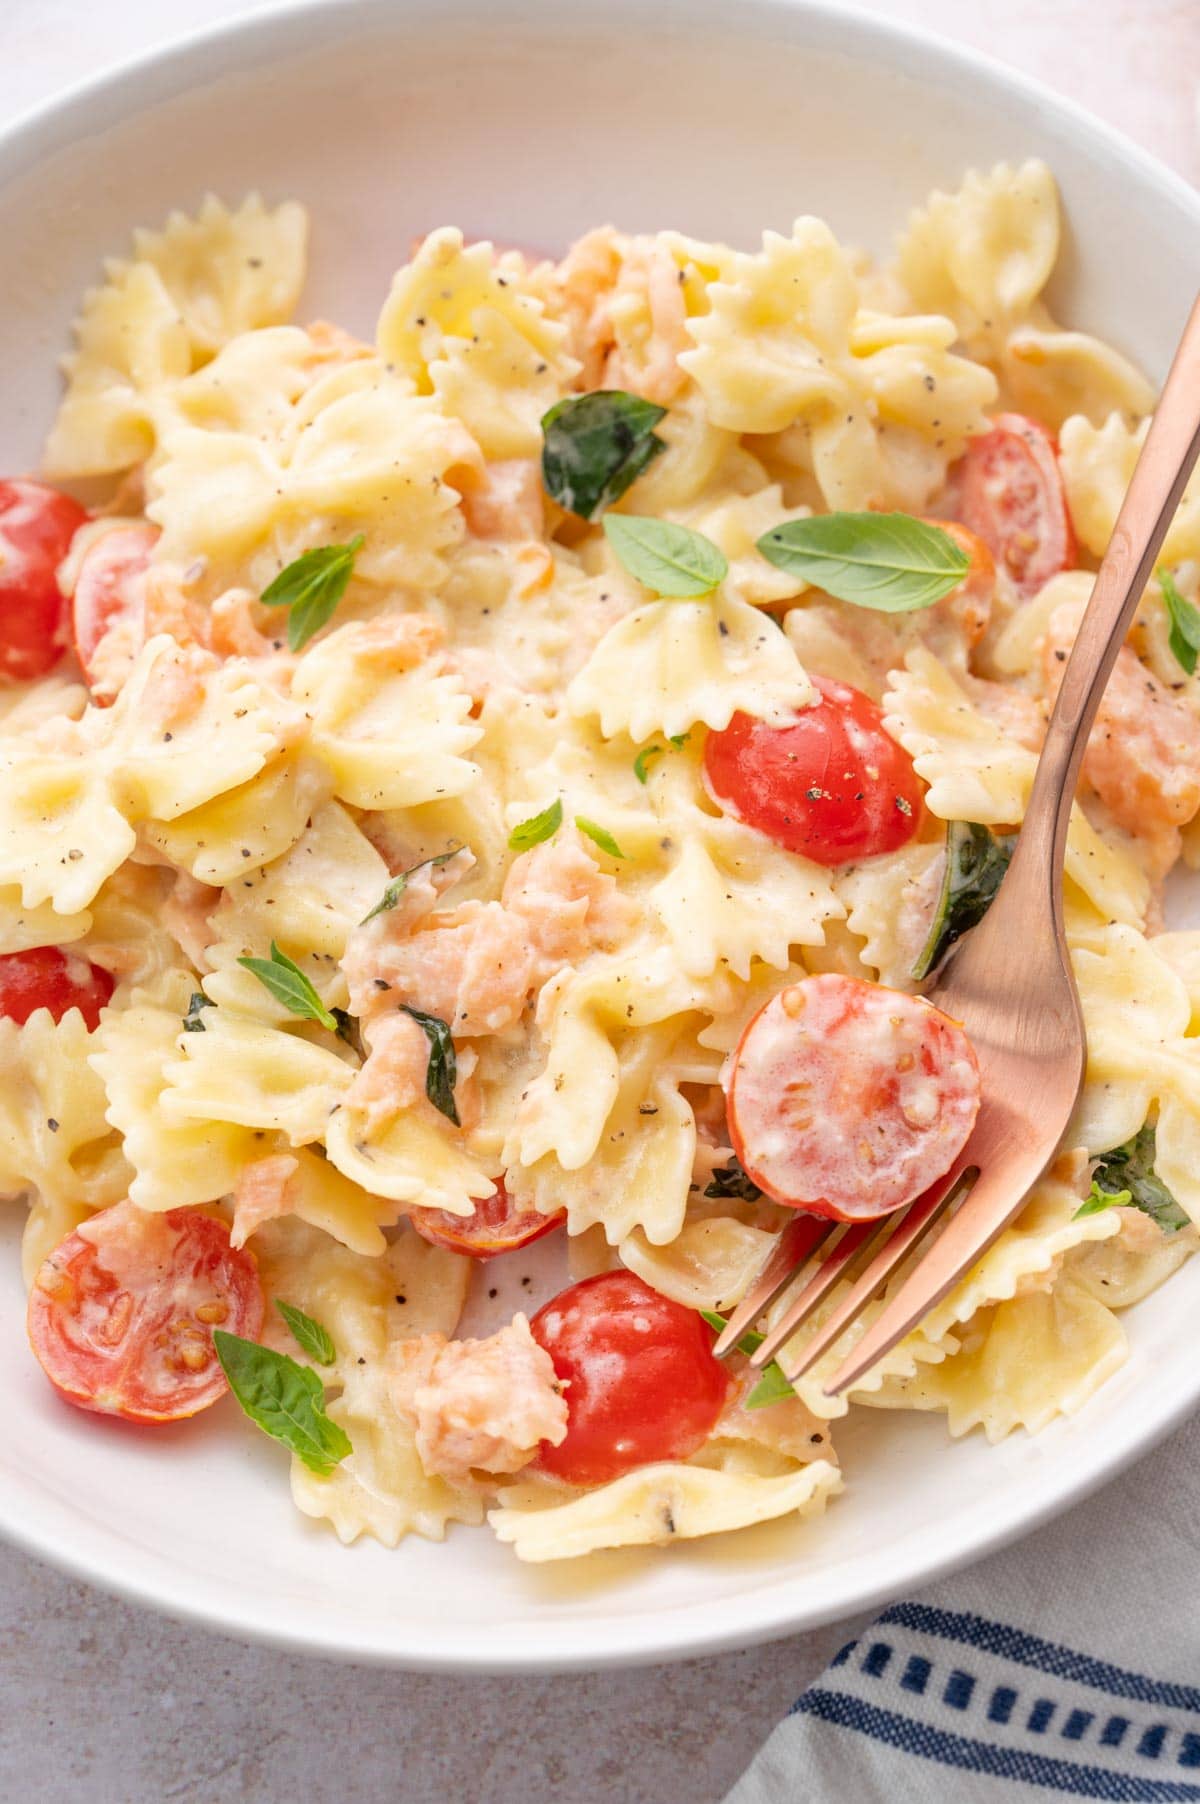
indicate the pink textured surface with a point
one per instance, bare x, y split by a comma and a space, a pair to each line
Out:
102, 1701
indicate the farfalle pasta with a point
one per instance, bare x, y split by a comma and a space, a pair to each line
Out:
505, 779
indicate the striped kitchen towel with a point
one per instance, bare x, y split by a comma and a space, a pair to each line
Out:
1068, 1663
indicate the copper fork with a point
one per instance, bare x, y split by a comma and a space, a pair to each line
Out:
1009, 981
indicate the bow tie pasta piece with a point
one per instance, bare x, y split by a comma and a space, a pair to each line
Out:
982, 257
372, 459
247, 827
657, 1505
411, 1159
1097, 464
1138, 1013
131, 348
975, 773
463, 324
671, 664
783, 346
252, 386
380, 1489
22, 927
185, 729
61, 832
308, 901
175, 1162
254, 1076
306, 1186
889, 906
55, 1141
391, 729
188, 290
710, 1264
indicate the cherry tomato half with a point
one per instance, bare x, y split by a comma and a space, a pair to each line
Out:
833, 784
48, 977
122, 1312
109, 603
847, 1099
37, 525
642, 1381
496, 1225
1007, 487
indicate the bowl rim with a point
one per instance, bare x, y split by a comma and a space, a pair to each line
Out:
182, 64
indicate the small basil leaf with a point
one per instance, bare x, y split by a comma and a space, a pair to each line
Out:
441, 1073
537, 828
976, 860
316, 1341
399, 884
772, 1386
286, 1399
311, 586
595, 446
1184, 637
192, 1024
1127, 1175
671, 560
287, 983
890, 562
641, 764
731, 1180
599, 836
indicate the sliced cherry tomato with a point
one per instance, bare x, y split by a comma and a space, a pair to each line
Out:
642, 1383
122, 1312
833, 784
496, 1225
48, 977
1008, 489
109, 604
848, 1099
37, 525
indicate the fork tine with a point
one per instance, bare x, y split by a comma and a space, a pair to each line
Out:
997, 1195
831, 1269
909, 1231
794, 1248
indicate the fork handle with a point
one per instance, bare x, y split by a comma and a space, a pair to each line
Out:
1171, 448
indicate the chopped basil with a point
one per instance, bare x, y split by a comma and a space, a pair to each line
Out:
441, 1073
316, 1341
772, 1385
345, 1025
731, 1180
595, 445
672, 560
976, 860
537, 828
599, 836
1185, 623
644, 759
286, 1399
890, 562
398, 885
310, 588
1126, 1176
287, 983
192, 1024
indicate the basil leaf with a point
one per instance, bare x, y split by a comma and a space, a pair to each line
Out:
1127, 1176
772, 1385
641, 764
595, 445
286, 1399
1184, 637
192, 1024
537, 828
731, 1180
976, 860
311, 586
287, 983
599, 836
890, 562
671, 560
316, 1340
441, 1073
399, 884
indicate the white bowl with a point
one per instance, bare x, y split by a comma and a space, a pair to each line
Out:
530, 121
